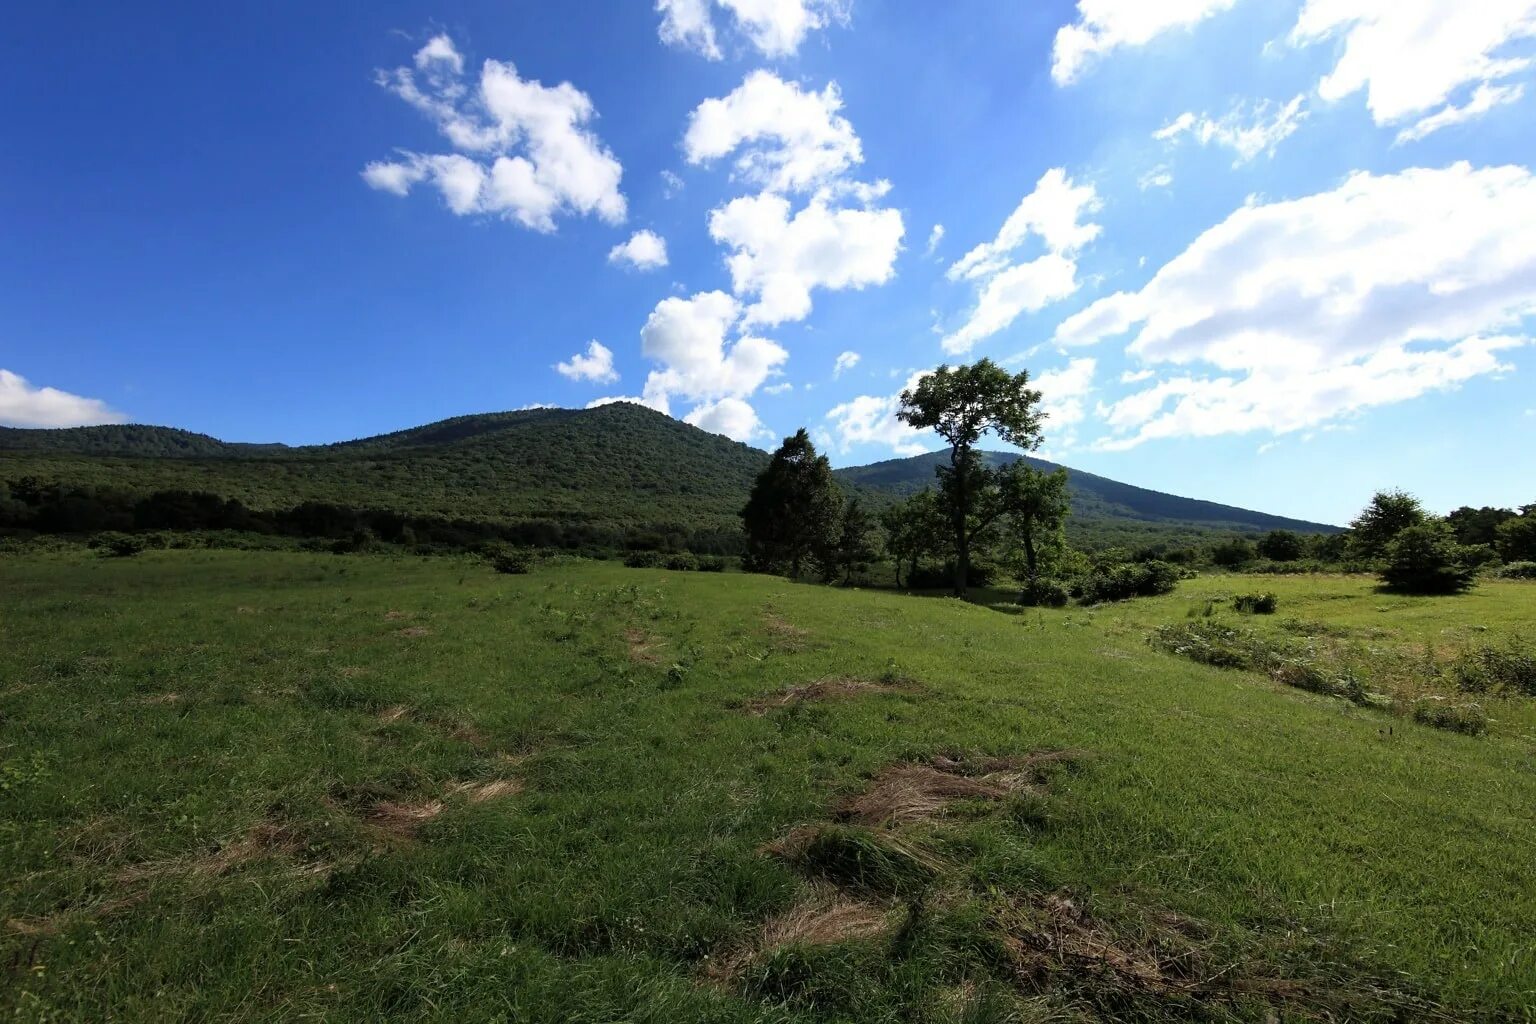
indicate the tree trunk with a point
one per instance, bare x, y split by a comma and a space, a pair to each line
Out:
1029, 551
794, 566
961, 466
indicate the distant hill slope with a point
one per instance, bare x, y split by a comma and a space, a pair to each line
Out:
619, 465
1093, 497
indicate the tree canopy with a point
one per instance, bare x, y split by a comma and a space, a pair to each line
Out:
793, 514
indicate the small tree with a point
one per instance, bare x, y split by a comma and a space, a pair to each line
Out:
1232, 554
854, 548
961, 405
1516, 537
1281, 546
1425, 559
1036, 504
1388, 514
792, 514
913, 528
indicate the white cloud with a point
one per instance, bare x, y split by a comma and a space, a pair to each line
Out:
1380, 290
780, 258
596, 365
775, 27
871, 419
24, 405
1158, 177
1484, 98
536, 405
1411, 56
671, 184
1064, 391
778, 389
844, 361
1054, 213
729, 416
934, 238
687, 24
645, 250
791, 140
657, 402
524, 150
1105, 25
1247, 133
688, 338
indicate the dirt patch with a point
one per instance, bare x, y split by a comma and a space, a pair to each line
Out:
825, 919
1050, 937
642, 647
494, 789
833, 688
414, 631
402, 818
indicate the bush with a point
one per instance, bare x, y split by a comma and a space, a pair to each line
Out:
512, 561
1426, 559
1232, 554
117, 545
1282, 546
682, 561
711, 565
1256, 604
1518, 571
1490, 668
642, 559
1127, 580
929, 577
1043, 593
1440, 714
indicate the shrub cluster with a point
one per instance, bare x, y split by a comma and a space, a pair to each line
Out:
1425, 559
1256, 604
1508, 668
677, 561
111, 544
1211, 643
1126, 580
1518, 571
1044, 593
512, 561
1441, 714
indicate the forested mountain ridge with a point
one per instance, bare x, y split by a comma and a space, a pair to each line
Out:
620, 465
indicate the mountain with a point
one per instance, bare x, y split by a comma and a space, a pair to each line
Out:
619, 466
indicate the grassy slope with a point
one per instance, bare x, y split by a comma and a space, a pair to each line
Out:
1313, 843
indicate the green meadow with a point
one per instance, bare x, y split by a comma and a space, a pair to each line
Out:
290, 786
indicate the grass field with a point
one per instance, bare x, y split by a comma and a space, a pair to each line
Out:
268, 786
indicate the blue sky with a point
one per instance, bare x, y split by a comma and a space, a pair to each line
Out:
1278, 254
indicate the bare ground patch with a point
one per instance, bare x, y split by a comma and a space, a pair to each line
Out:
829, 689
786, 636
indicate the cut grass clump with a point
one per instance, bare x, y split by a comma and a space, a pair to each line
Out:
912, 792
826, 918
1256, 604
831, 689
861, 860
1440, 713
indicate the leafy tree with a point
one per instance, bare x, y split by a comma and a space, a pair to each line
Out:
1036, 504
1232, 554
1425, 559
1516, 537
913, 528
855, 547
1388, 514
1477, 525
1281, 546
962, 404
792, 514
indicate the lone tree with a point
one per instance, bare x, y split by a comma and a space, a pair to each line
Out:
1388, 514
1036, 504
793, 512
1425, 559
961, 405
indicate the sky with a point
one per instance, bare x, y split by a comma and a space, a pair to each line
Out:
1275, 253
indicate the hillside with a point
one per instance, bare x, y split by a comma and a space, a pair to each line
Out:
619, 466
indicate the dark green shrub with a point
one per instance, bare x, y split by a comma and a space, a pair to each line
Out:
1426, 559
1256, 604
711, 565
1508, 668
116, 545
1518, 571
1282, 546
1440, 714
1126, 580
642, 559
512, 561
1232, 554
682, 561
1043, 593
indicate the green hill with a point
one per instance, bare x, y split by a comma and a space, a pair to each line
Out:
616, 467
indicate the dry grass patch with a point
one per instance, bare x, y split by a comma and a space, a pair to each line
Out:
414, 631
263, 841
911, 792
642, 647
494, 789
395, 616
825, 919
393, 714
402, 818
832, 688
786, 636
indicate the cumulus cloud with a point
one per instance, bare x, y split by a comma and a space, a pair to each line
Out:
1105, 25
688, 337
1063, 396
1412, 56
1054, 213
844, 361
871, 419
775, 27
934, 238
524, 151
23, 404
790, 140
645, 250
780, 257
732, 417
1309, 309
657, 402
1247, 133
595, 365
